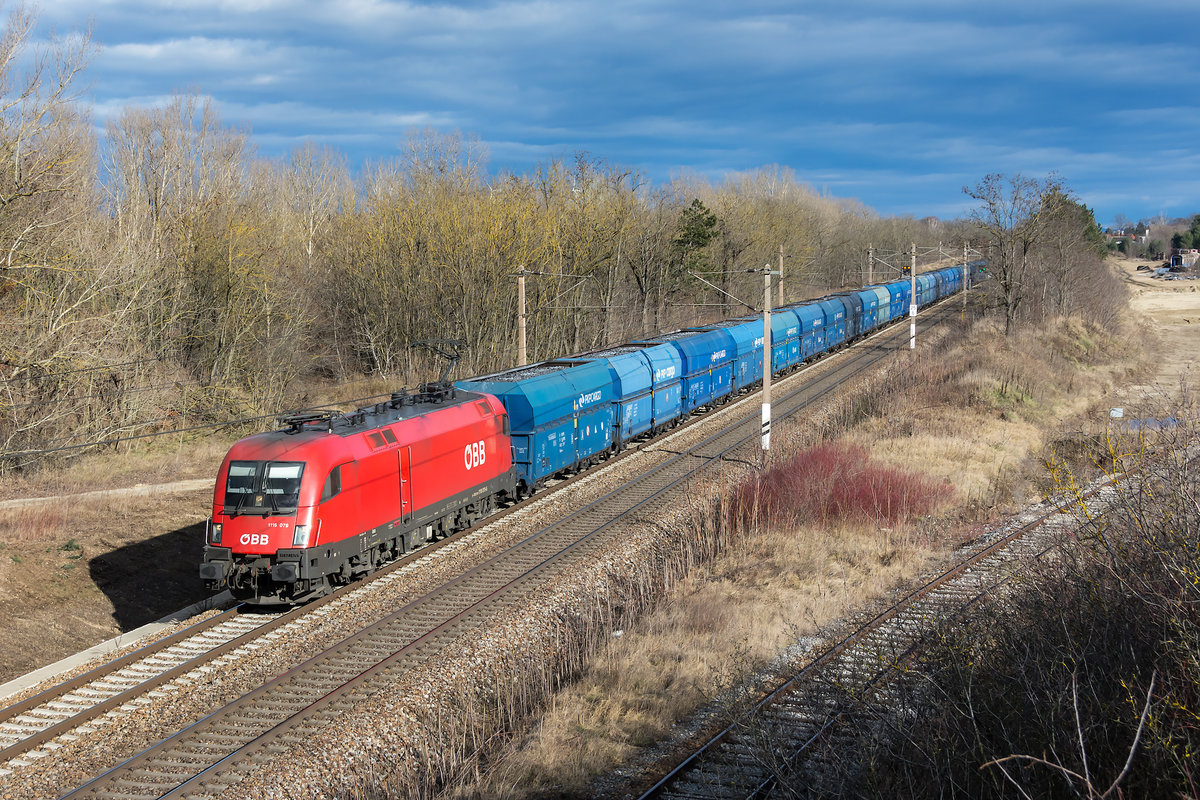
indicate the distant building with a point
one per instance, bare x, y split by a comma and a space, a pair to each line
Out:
1116, 237
1185, 258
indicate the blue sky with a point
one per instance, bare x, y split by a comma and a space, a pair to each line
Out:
898, 104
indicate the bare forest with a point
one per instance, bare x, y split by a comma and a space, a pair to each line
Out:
157, 274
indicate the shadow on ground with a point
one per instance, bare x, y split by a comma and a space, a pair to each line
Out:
149, 579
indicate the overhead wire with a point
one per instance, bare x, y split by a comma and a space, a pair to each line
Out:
173, 431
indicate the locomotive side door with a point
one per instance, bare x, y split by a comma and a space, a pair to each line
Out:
406, 506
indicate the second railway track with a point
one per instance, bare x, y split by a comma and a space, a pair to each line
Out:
787, 736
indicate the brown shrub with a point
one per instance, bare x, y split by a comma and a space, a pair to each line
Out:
833, 481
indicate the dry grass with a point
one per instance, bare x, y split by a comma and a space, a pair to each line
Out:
1090, 664
165, 462
720, 624
73, 574
35, 523
977, 417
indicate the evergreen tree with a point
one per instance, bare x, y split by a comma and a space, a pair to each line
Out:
697, 227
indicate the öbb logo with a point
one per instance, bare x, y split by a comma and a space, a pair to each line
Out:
474, 455
254, 538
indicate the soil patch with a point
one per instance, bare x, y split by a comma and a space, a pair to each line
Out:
75, 573
1170, 312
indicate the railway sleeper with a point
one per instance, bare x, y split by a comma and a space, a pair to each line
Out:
690, 790
745, 773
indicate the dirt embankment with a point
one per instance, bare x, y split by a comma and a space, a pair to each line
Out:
99, 548
1170, 312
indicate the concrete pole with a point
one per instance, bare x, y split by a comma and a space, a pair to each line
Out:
966, 278
781, 276
766, 390
912, 306
870, 264
521, 361
966, 270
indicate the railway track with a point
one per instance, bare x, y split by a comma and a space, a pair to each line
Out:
790, 735
215, 753
96, 696
212, 753
75, 702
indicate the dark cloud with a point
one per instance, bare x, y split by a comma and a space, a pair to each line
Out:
897, 104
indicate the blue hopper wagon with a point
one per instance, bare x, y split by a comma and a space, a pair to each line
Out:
707, 364
561, 414
646, 387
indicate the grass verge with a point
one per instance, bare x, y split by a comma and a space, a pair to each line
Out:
1084, 682
872, 489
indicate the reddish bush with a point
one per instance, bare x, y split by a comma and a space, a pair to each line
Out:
832, 481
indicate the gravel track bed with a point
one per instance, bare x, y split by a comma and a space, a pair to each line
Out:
412, 736
541, 636
124, 732
106, 658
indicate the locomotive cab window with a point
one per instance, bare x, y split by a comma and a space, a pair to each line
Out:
333, 484
243, 477
258, 487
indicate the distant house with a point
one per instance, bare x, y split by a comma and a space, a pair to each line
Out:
1117, 237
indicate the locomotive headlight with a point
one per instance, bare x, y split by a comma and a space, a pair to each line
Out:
300, 536
215, 532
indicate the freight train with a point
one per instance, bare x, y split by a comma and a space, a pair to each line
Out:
331, 497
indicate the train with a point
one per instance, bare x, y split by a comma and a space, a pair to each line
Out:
329, 497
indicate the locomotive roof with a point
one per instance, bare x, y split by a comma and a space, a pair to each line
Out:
402, 406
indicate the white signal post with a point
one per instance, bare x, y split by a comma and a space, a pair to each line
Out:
912, 304
521, 316
767, 272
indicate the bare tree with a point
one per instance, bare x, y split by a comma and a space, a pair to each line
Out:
41, 132
1013, 214
1070, 268
318, 182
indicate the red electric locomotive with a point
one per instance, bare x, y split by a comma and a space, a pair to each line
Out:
332, 497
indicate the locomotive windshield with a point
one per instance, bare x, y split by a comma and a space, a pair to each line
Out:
263, 487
